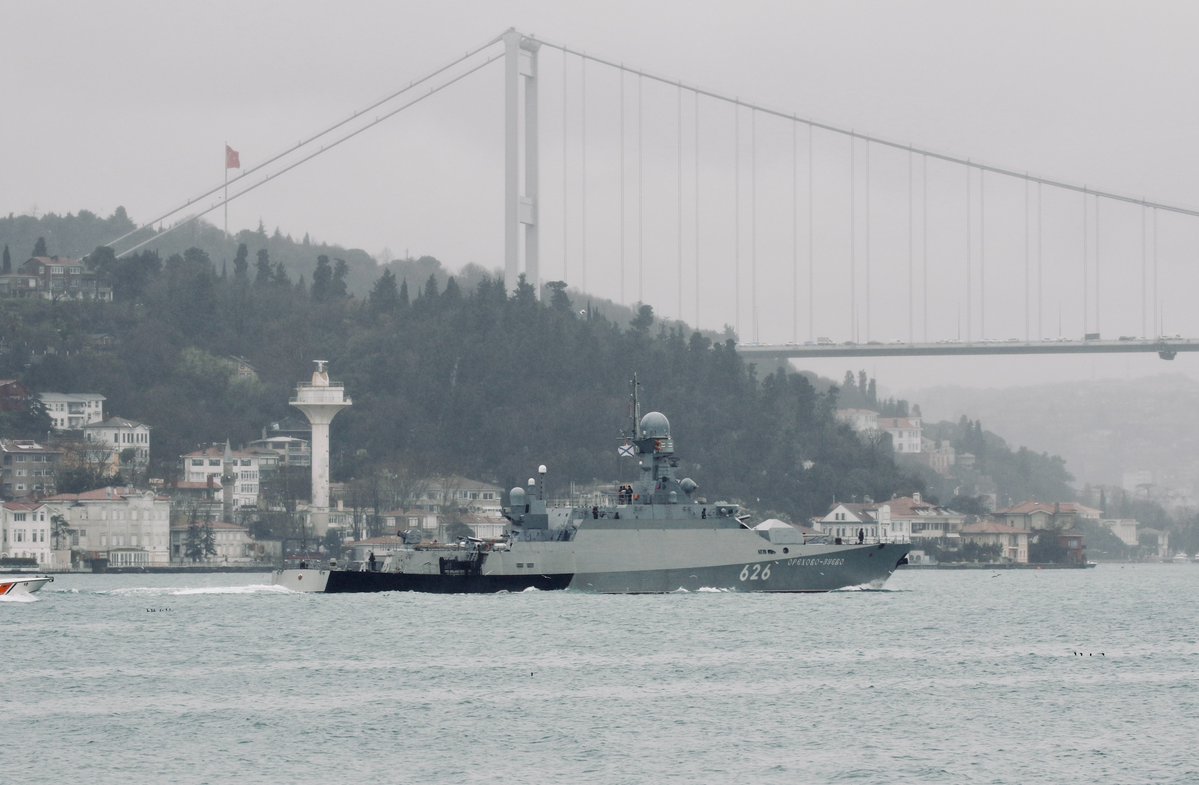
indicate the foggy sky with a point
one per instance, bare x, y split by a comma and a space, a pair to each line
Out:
130, 103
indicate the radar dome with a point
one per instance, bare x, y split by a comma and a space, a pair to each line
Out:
516, 497
655, 426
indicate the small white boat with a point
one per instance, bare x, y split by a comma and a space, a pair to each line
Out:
22, 584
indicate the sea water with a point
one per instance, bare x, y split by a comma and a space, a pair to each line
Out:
943, 676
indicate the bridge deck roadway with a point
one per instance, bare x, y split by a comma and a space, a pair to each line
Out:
1165, 348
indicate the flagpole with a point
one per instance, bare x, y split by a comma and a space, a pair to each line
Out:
226, 168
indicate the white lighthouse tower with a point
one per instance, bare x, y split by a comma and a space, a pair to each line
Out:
320, 400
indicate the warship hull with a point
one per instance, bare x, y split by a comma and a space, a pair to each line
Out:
588, 568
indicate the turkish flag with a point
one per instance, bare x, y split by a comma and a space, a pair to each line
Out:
232, 158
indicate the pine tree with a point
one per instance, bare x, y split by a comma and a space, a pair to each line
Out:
322, 279
262, 275
209, 539
384, 296
241, 267
39, 247
340, 271
193, 547
7, 268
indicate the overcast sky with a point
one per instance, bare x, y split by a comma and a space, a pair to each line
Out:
130, 103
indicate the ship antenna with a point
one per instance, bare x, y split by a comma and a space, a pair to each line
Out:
636, 409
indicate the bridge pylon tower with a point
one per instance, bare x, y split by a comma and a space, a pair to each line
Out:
520, 194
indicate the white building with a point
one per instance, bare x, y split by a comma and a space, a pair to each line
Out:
872, 521
939, 455
861, 420
291, 451
905, 433
248, 467
118, 435
72, 411
128, 527
444, 494
1124, 528
25, 532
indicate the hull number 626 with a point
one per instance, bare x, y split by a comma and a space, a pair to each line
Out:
755, 572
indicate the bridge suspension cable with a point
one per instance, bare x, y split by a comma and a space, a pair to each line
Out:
947, 158
305, 142
323, 149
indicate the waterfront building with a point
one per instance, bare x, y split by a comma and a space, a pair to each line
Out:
1124, 528
123, 527
452, 493
1012, 541
845, 520
928, 523
1045, 516
26, 532
232, 542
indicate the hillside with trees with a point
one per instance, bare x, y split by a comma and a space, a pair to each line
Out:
444, 377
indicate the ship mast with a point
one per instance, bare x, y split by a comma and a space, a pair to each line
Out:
636, 409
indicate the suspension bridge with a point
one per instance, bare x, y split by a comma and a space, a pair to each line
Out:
801, 238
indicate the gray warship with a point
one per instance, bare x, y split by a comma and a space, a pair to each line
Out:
652, 535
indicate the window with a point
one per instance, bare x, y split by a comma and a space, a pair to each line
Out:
197, 461
18, 517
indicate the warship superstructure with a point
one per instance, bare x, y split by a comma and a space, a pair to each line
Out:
652, 535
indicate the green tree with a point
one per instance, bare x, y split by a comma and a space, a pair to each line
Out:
263, 271
339, 286
87, 477
384, 297
7, 268
30, 421
644, 318
209, 540
322, 280
39, 247
241, 267
60, 531
1043, 548
193, 546
559, 300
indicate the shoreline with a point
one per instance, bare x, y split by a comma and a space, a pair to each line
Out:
997, 566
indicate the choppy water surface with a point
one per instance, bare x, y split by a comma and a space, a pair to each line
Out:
941, 677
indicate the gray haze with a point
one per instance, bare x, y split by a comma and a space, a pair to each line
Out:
130, 103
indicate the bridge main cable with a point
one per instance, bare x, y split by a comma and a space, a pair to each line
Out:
391, 97
953, 159
381, 118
